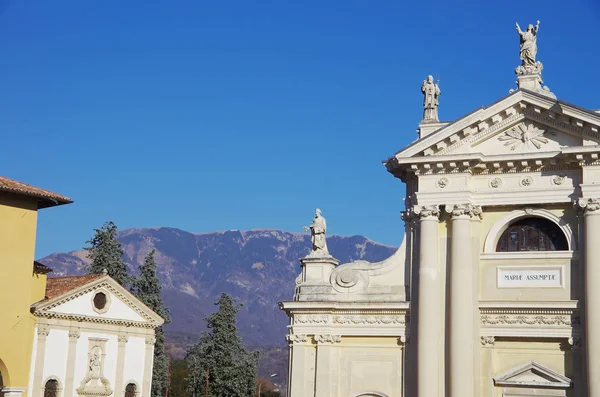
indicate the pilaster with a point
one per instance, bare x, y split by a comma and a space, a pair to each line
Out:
43, 330
74, 334
297, 378
121, 345
327, 365
148, 363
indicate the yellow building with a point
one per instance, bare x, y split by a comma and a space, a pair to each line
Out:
22, 281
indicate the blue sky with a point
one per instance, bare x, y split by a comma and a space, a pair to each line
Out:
215, 115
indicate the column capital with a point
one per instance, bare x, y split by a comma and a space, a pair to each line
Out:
575, 342
74, 334
427, 211
402, 340
469, 210
294, 339
150, 340
589, 204
123, 338
43, 330
488, 341
327, 339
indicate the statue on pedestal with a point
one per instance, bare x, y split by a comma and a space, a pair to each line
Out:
431, 92
317, 229
528, 44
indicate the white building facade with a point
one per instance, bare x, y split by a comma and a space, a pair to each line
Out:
494, 290
93, 338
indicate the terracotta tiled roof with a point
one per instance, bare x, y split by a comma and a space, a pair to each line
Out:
57, 286
40, 268
47, 198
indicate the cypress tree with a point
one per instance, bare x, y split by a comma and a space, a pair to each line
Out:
230, 367
147, 288
106, 253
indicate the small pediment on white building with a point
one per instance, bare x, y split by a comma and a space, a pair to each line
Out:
532, 375
96, 298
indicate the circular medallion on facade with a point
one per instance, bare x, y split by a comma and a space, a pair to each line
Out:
526, 181
496, 183
442, 183
558, 180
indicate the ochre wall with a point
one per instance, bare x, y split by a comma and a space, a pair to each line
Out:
17, 245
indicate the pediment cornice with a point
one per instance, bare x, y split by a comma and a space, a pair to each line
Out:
444, 146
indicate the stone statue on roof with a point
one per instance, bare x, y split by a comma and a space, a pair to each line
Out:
317, 229
528, 44
431, 91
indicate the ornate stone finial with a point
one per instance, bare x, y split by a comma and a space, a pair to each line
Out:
317, 229
431, 91
529, 73
104, 272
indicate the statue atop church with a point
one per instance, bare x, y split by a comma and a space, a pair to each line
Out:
528, 44
317, 229
431, 91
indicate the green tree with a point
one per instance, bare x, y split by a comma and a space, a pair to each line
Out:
178, 386
148, 290
106, 254
230, 367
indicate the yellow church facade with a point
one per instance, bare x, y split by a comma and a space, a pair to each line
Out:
22, 282
494, 291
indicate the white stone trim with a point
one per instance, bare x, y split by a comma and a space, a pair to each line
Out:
106, 305
502, 224
370, 393
59, 389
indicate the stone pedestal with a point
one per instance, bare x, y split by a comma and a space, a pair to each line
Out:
530, 78
313, 282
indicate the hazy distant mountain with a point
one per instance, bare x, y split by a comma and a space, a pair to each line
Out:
258, 266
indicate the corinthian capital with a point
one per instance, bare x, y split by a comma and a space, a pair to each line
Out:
295, 338
589, 204
470, 210
328, 338
427, 211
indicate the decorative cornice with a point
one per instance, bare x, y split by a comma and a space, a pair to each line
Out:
427, 211
327, 338
311, 319
488, 341
90, 319
295, 338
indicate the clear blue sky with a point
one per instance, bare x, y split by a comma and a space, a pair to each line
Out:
214, 115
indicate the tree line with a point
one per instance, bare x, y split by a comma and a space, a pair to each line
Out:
219, 365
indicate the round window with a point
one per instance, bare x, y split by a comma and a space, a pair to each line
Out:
100, 300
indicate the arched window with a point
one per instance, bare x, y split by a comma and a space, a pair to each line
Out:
532, 234
51, 388
130, 390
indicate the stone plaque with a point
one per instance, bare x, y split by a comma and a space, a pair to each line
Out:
520, 277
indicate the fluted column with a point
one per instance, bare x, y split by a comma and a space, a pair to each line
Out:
591, 230
429, 303
461, 304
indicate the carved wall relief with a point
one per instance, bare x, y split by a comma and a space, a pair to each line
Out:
94, 383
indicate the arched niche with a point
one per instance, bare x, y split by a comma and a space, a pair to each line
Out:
503, 223
370, 393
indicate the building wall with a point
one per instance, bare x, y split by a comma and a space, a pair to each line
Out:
17, 245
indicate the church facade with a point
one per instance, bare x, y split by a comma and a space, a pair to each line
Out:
493, 291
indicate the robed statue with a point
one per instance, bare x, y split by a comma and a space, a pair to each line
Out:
528, 44
431, 91
317, 228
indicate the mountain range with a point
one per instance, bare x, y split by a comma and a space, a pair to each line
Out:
258, 267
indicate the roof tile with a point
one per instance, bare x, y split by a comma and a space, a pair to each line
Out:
57, 286
12, 186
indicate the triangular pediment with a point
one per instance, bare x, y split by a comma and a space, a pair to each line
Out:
117, 305
532, 374
523, 122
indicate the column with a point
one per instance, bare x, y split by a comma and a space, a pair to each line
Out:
74, 334
460, 370
42, 333
429, 303
326, 373
148, 363
486, 387
122, 340
591, 273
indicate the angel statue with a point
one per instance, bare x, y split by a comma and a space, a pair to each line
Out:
317, 229
528, 44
